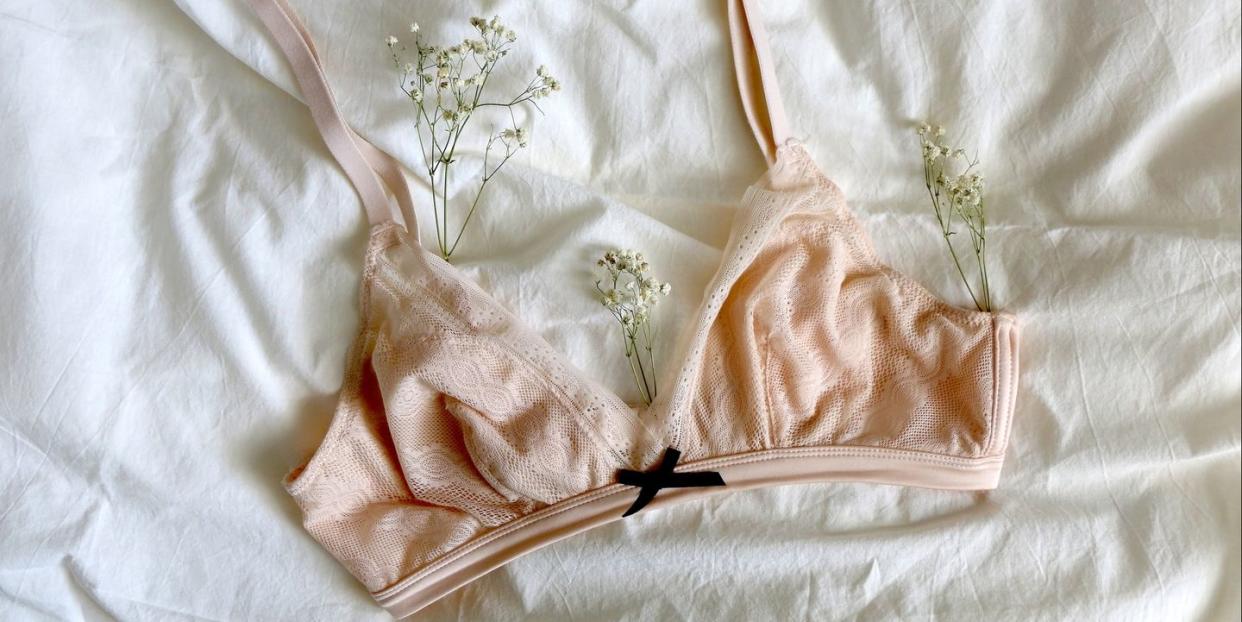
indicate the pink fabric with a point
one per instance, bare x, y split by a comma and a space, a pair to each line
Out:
756, 78
462, 439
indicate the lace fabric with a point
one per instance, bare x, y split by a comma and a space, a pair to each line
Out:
455, 420
462, 439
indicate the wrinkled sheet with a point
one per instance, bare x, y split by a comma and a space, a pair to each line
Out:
180, 258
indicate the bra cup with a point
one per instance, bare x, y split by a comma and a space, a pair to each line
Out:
495, 418
520, 423
856, 361
846, 355
531, 454
430, 445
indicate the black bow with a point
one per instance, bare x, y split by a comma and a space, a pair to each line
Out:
650, 482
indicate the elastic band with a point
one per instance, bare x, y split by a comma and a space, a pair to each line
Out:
756, 77
361, 160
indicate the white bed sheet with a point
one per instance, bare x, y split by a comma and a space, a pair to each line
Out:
180, 259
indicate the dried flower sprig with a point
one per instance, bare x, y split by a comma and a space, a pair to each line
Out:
630, 294
446, 87
957, 193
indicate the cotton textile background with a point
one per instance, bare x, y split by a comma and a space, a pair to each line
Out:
179, 258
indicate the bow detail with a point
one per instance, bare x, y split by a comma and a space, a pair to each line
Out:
650, 482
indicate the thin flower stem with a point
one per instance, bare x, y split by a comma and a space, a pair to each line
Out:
474, 205
983, 263
958, 263
642, 372
444, 208
945, 227
647, 342
435, 212
629, 357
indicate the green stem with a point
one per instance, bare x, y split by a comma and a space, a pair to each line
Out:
487, 177
983, 257
643, 372
446, 250
945, 229
655, 379
629, 357
435, 209
444, 174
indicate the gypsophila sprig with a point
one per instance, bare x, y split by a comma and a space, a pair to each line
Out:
956, 192
630, 293
447, 86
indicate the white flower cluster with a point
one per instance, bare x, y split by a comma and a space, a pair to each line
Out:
630, 295
633, 292
510, 136
964, 189
456, 74
545, 83
444, 67
493, 26
446, 85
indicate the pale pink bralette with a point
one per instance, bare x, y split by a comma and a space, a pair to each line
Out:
463, 440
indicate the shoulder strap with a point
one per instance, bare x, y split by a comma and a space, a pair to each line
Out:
756, 77
364, 164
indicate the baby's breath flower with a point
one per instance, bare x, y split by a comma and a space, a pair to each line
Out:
956, 196
630, 294
437, 85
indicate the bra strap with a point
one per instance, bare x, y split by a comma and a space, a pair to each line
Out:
364, 164
756, 77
